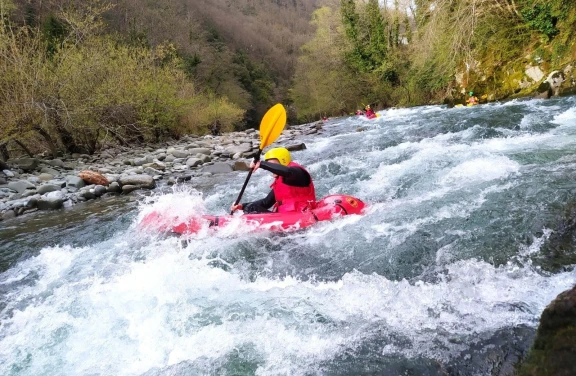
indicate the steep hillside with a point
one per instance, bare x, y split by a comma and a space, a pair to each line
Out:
245, 50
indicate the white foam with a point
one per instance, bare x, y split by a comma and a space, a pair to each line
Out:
567, 117
480, 169
171, 309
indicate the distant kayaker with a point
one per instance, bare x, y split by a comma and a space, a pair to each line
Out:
359, 112
369, 112
292, 189
472, 100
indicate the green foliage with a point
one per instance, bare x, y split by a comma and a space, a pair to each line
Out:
54, 31
324, 84
539, 17
6, 9
190, 62
377, 41
75, 95
254, 78
366, 35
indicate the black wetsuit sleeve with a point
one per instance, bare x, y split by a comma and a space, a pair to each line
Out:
294, 176
266, 202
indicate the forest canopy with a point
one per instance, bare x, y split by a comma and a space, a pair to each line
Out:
411, 52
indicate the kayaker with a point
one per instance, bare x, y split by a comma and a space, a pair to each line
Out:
292, 189
472, 100
369, 112
359, 112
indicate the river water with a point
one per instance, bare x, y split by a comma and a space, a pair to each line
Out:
445, 274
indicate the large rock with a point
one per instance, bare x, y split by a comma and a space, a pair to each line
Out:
8, 214
143, 181
99, 190
92, 177
195, 151
551, 87
21, 186
242, 148
218, 168
241, 166
140, 161
155, 165
45, 177
114, 187
75, 182
3, 178
26, 164
55, 163
129, 188
51, 201
43, 189
180, 153
193, 162
87, 194
51, 171
296, 147
554, 350
204, 158
535, 73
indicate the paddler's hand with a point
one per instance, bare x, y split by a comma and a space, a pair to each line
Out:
236, 207
255, 166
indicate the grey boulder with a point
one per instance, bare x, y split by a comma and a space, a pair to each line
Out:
43, 189
26, 164
218, 168
75, 182
193, 162
51, 201
21, 186
142, 180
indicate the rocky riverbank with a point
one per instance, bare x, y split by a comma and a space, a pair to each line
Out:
31, 184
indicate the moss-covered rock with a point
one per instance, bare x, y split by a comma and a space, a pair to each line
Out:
554, 350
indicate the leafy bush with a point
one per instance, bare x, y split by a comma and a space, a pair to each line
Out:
539, 17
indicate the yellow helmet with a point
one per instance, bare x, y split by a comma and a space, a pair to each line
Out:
282, 154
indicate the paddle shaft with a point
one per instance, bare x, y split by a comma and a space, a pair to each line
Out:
256, 159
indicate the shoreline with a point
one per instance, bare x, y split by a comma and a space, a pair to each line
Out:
31, 185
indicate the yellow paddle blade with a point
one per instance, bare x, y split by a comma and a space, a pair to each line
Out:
272, 125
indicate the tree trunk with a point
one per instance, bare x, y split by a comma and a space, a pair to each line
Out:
63, 133
48, 139
4, 154
67, 139
26, 150
118, 138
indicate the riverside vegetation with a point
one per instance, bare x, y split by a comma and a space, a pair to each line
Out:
75, 76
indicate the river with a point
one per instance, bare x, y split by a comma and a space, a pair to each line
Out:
445, 274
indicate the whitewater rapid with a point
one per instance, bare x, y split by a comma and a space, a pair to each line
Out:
444, 271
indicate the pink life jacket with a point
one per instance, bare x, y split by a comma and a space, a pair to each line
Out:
290, 198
